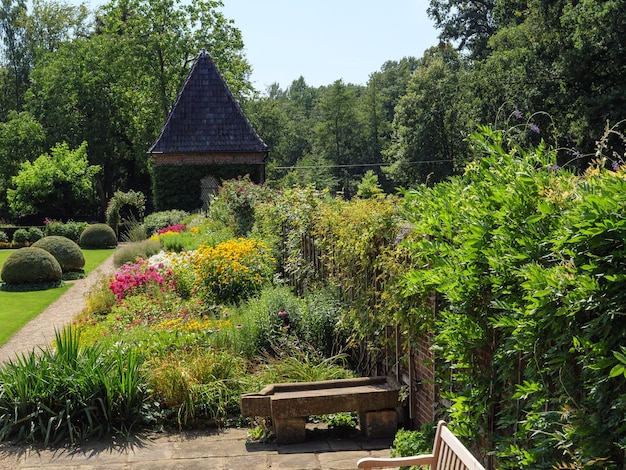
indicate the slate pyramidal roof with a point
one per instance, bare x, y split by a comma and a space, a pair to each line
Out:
206, 118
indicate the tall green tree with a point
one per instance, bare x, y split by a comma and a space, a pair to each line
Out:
562, 58
430, 124
13, 54
467, 23
378, 104
50, 24
21, 139
59, 184
338, 133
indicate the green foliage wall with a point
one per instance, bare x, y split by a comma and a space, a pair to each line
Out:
527, 260
178, 186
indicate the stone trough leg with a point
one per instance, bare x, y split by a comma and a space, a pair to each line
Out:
379, 424
290, 430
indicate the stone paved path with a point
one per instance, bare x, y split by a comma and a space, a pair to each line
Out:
226, 449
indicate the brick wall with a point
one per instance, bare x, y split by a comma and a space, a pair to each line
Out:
424, 396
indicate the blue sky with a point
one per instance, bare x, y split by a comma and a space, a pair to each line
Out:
328, 40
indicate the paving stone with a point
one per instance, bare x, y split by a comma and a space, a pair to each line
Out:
247, 462
295, 461
339, 460
180, 464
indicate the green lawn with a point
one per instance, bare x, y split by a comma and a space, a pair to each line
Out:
18, 308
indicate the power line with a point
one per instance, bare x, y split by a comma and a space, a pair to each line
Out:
356, 165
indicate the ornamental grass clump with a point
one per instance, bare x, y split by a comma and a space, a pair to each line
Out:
232, 271
72, 393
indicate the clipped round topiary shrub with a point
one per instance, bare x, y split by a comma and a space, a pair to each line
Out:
31, 266
98, 236
66, 252
20, 236
34, 234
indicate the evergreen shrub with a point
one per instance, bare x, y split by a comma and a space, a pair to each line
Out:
31, 266
158, 220
20, 236
66, 252
69, 229
34, 234
98, 236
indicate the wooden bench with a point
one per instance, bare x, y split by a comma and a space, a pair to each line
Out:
448, 454
289, 404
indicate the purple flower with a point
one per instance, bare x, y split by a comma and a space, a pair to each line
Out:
554, 167
534, 127
517, 113
615, 166
282, 313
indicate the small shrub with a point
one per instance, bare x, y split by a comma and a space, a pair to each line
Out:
31, 266
158, 220
4, 238
342, 421
34, 234
132, 252
20, 236
69, 229
98, 236
408, 443
66, 252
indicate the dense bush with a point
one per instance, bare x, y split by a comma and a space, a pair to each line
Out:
20, 236
236, 203
98, 236
34, 234
4, 238
66, 252
69, 229
158, 220
527, 262
31, 266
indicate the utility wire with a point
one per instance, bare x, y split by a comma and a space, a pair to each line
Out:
356, 165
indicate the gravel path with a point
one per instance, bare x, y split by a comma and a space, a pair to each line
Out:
41, 329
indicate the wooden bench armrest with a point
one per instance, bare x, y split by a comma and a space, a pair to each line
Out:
375, 462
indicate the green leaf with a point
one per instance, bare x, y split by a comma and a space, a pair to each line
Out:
617, 370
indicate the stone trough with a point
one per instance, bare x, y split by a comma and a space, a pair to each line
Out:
289, 404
